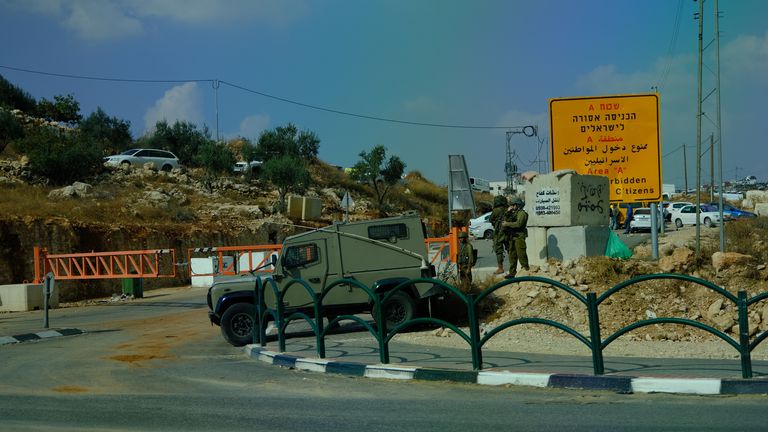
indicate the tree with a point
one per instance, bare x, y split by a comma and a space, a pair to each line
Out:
61, 157
63, 109
215, 157
287, 173
287, 140
380, 175
14, 97
111, 134
183, 139
10, 128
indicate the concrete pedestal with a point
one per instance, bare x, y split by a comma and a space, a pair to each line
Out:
25, 297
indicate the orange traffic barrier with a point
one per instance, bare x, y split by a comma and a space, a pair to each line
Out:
242, 259
155, 263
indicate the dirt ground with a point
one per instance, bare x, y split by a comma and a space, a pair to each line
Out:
656, 298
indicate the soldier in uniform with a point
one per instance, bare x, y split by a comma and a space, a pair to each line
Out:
500, 243
465, 261
516, 228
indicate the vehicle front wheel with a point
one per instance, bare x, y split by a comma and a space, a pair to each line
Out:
678, 223
398, 309
237, 324
708, 222
488, 234
125, 164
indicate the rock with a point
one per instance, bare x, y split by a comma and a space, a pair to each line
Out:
66, 192
714, 309
532, 293
650, 314
724, 322
724, 260
761, 209
677, 262
82, 189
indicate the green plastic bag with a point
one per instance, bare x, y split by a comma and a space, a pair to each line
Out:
616, 248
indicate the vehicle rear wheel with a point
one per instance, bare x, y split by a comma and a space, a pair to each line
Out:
398, 309
237, 324
167, 168
488, 234
708, 222
678, 223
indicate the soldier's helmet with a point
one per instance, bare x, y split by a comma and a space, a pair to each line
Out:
500, 201
462, 234
516, 201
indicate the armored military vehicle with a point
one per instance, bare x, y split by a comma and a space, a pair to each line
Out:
379, 253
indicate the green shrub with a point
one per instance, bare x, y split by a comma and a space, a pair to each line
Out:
61, 157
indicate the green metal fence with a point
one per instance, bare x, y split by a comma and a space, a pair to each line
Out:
593, 341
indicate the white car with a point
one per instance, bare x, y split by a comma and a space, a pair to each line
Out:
163, 160
246, 166
641, 220
687, 216
480, 227
674, 207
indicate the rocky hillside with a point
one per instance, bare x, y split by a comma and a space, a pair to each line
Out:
143, 208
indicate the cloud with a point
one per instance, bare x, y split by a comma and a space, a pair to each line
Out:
97, 20
181, 103
252, 125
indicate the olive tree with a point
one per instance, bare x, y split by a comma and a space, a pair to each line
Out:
378, 172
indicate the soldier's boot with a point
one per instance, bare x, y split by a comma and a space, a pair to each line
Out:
499, 268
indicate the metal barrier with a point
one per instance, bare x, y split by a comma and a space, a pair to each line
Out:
593, 341
155, 263
243, 258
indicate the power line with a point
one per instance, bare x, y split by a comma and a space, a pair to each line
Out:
267, 95
672, 43
93, 78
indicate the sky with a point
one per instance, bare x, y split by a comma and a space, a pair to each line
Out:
364, 73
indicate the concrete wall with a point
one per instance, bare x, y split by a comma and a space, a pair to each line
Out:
567, 200
25, 297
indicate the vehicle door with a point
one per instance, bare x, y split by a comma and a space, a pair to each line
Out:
305, 261
688, 215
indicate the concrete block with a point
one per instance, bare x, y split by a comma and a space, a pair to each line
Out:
570, 243
536, 244
555, 200
304, 208
25, 297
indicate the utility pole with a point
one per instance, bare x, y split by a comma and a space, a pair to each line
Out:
216, 84
700, 17
719, 125
712, 168
685, 169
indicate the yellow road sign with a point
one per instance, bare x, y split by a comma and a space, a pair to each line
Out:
616, 136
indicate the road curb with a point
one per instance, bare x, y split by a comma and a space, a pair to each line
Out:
615, 383
47, 334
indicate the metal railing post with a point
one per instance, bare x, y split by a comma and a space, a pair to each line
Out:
474, 333
594, 334
746, 356
319, 336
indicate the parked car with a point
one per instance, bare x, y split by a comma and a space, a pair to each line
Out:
641, 220
675, 207
162, 159
732, 212
245, 166
687, 216
480, 227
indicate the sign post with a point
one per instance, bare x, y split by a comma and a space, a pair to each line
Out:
614, 136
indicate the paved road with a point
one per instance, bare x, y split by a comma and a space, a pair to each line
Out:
157, 364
